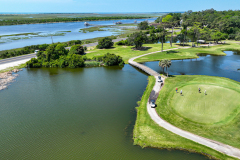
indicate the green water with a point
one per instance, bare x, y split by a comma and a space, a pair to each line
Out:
85, 113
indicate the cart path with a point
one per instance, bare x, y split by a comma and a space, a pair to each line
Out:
223, 148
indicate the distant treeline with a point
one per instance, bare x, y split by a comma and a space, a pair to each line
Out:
32, 21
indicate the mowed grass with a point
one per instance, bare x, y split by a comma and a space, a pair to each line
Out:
149, 134
189, 53
127, 52
214, 116
214, 107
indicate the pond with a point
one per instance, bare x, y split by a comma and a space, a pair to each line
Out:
84, 113
222, 66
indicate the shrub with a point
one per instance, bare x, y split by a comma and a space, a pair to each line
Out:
105, 43
75, 61
98, 58
231, 36
34, 63
77, 49
112, 59
122, 42
74, 42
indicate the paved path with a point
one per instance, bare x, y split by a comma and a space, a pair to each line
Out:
15, 61
223, 148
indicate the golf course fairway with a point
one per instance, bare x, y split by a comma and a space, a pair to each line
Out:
147, 133
214, 115
213, 107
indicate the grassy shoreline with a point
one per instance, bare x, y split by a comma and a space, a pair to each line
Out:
191, 53
147, 133
12, 68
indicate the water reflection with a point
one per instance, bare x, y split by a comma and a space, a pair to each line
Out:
82, 113
223, 66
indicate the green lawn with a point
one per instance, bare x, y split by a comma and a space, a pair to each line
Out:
214, 116
148, 134
185, 53
214, 107
190, 52
127, 52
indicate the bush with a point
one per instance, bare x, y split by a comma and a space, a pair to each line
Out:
75, 61
74, 42
34, 63
112, 59
231, 36
105, 43
98, 58
77, 49
85, 58
122, 42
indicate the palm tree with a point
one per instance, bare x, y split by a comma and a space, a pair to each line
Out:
162, 35
165, 63
162, 64
168, 64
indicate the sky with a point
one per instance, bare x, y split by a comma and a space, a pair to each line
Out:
90, 6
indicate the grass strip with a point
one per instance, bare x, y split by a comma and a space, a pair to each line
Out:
147, 133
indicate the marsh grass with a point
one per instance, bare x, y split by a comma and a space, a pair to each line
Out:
92, 64
92, 29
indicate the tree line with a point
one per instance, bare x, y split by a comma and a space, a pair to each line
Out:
207, 24
32, 20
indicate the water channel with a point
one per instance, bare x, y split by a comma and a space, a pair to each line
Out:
88, 113
41, 33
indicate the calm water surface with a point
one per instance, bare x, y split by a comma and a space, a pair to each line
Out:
222, 66
88, 113
85, 113
50, 28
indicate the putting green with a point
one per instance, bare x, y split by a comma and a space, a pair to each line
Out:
217, 106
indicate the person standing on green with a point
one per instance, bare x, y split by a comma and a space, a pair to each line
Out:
176, 90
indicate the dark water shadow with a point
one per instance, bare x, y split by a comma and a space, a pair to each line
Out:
142, 48
172, 51
178, 44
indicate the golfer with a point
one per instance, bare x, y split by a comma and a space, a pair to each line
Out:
181, 92
199, 90
176, 90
